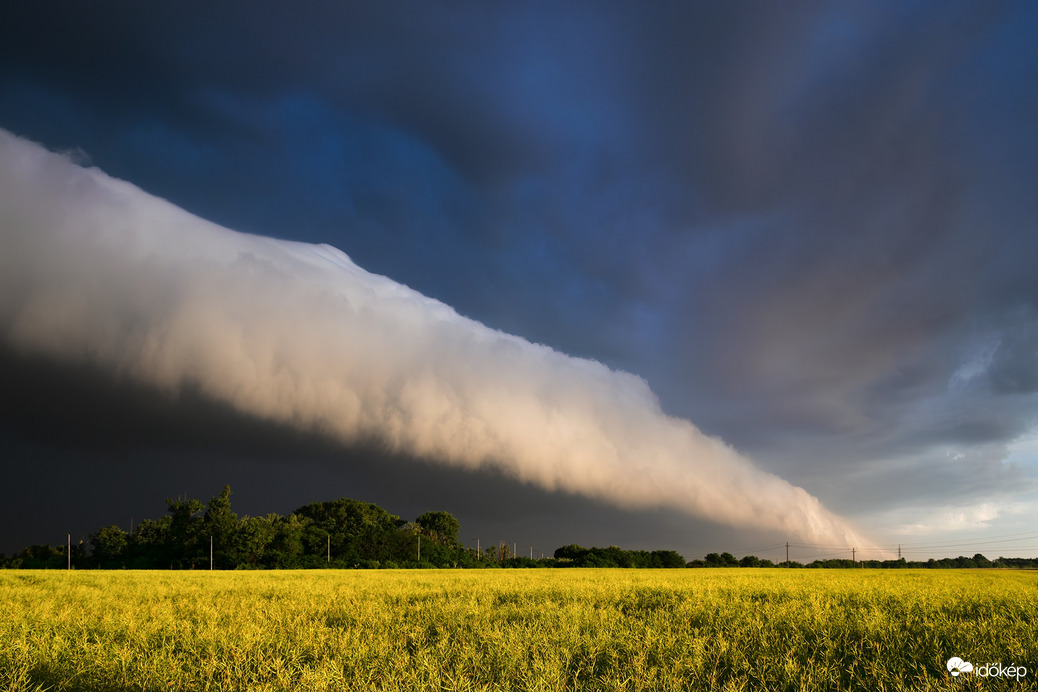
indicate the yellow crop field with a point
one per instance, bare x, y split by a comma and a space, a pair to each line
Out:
547, 629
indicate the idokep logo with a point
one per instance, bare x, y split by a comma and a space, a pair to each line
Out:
956, 666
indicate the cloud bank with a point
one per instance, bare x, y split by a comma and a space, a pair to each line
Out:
97, 271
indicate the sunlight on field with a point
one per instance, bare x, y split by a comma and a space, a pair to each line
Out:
512, 630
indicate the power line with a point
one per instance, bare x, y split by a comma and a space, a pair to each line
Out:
763, 549
956, 544
1000, 536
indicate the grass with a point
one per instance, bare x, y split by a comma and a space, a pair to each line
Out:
766, 629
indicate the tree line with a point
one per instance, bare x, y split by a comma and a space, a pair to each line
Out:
960, 562
347, 533
340, 533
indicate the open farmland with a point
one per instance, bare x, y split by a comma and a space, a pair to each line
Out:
517, 629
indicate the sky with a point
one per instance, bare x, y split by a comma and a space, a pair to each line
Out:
690, 276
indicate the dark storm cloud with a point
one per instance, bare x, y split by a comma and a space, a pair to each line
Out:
447, 77
107, 450
1014, 367
100, 274
864, 254
809, 227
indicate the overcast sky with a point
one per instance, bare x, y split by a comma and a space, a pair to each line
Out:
809, 228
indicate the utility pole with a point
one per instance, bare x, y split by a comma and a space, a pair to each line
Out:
329, 549
787, 553
531, 552
69, 535
477, 550
853, 551
898, 551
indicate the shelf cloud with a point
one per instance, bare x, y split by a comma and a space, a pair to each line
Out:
99, 272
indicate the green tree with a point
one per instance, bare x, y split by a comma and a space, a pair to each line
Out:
667, 558
109, 546
42, 557
149, 545
251, 539
221, 524
616, 556
572, 552
358, 531
184, 537
286, 549
440, 527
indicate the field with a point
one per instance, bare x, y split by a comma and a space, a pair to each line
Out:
739, 629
